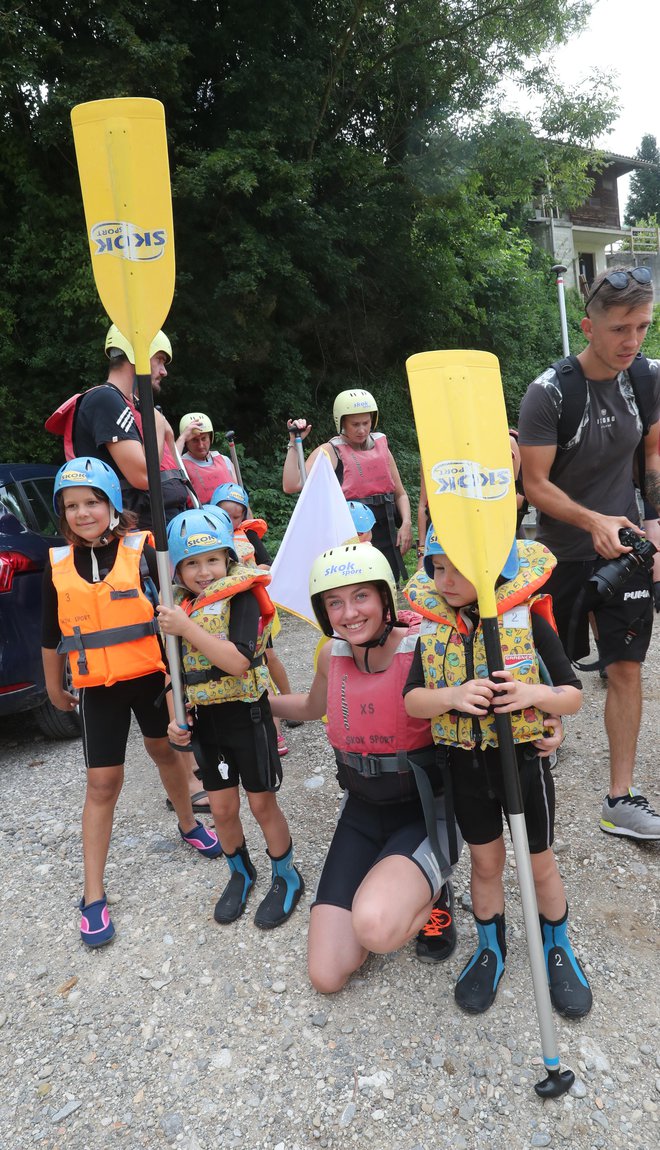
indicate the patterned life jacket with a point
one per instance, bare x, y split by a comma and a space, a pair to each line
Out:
369, 729
204, 682
108, 628
242, 545
366, 473
451, 654
206, 479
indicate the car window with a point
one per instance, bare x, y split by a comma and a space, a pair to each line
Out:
39, 493
10, 500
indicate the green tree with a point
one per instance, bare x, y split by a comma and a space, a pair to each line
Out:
339, 194
644, 196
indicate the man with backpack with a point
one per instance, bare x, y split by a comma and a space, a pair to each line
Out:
107, 425
586, 426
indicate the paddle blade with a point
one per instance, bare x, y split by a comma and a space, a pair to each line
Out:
121, 148
463, 437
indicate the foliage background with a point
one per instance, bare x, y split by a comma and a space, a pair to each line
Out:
347, 190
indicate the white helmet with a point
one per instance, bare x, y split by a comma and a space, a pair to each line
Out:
343, 566
116, 343
356, 402
205, 425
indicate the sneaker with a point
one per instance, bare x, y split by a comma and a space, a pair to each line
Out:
203, 840
282, 748
96, 927
632, 816
437, 938
293, 723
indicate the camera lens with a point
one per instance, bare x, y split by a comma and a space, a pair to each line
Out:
606, 581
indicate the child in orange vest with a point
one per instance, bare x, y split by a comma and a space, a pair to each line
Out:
96, 612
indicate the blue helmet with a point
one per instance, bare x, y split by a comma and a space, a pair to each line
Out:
434, 547
363, 517
231, 493
196, 531
85, 471
220, 513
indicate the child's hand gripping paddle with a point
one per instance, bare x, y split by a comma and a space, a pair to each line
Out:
466, 462
121, 148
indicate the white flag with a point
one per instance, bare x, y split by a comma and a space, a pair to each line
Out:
321, 519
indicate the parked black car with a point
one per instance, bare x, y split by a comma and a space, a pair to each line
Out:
28, 528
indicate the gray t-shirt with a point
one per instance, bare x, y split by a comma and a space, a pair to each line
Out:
595, 468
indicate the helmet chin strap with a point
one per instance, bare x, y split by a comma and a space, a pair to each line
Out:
367, 647
103, 541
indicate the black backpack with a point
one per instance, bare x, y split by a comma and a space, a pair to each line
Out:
574, 399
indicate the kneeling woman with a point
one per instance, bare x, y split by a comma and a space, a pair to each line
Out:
387, 861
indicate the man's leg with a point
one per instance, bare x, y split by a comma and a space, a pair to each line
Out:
623, 714
624, 811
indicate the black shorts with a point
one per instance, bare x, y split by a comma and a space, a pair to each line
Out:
383, 541
480, 804
237, 743
367, 833
624, 623
105, 713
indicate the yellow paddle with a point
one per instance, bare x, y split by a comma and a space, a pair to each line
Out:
466, 461
121, 149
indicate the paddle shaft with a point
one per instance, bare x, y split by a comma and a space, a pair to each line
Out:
191, 490
152, 457
301, 460
515, 808
229, 435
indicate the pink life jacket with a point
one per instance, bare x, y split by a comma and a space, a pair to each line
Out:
206, 479
368, 725
365, 472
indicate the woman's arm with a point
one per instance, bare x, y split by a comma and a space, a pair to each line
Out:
421, 519
404, 534
314, 704
291, 482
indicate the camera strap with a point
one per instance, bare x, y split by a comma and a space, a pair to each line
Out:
578, 607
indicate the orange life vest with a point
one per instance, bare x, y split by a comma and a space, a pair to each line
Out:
108, 628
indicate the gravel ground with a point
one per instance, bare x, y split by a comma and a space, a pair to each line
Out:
183, 1033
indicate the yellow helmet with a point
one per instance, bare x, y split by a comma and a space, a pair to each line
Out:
205, 425
116, 342
343, 566
355, 402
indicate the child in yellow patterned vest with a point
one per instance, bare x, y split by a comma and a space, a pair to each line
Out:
223, 617
449, 683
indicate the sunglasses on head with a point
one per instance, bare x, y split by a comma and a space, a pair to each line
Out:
619, 280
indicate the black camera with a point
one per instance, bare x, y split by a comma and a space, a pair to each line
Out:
608, 579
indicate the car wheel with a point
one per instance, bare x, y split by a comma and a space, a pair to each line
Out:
56, 724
